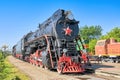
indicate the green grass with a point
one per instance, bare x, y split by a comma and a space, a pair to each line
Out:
10, 72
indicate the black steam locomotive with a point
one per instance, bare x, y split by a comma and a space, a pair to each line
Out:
53, 45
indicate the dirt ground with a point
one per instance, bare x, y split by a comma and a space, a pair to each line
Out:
38, 73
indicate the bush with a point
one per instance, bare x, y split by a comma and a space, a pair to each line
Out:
2, 66
8, 71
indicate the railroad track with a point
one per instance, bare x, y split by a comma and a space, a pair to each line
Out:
38, 73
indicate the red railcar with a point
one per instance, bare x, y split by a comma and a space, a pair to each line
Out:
108, 49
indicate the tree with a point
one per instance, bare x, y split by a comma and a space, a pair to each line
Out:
92, 44
90, 32
114, 33
4, 50
4, 47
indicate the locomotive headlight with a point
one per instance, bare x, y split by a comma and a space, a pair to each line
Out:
65, 50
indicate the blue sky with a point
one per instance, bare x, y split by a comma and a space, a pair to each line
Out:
18, 17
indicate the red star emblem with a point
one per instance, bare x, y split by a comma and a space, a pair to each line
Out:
68, 31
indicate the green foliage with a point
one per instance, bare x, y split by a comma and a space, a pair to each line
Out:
2, 66
8, 71
92, 44
13, 73
114, 33
90, 32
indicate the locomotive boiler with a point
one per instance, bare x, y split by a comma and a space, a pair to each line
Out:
53, 44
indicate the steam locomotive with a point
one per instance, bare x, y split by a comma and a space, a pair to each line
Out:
53, 45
